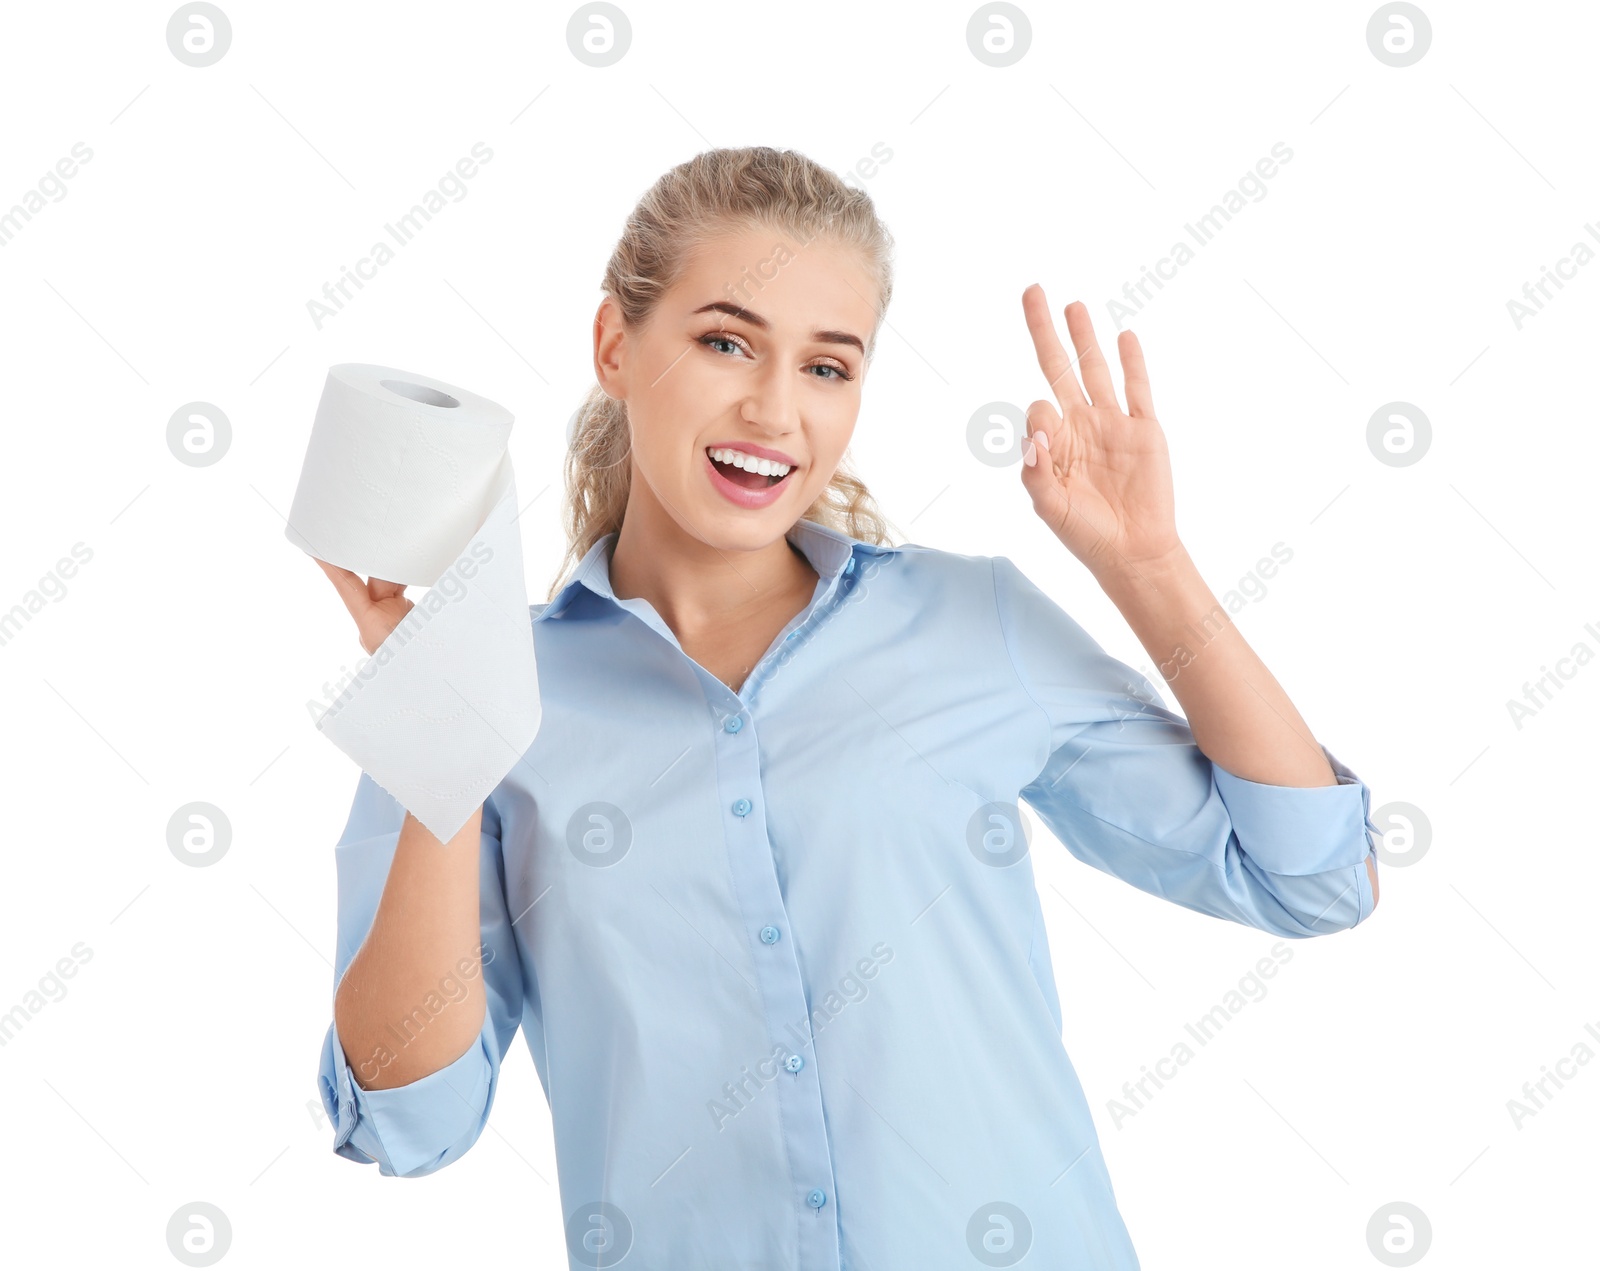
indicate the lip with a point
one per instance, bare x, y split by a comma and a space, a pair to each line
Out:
760, 452
737, 494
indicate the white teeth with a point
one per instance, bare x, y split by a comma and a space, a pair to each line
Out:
765, 467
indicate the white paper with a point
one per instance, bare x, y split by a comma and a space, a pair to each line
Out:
408, 479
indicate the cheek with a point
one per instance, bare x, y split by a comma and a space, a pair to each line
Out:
830, 440
820, 473
670, 461
666, 432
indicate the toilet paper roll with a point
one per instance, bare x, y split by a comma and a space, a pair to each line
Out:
408, 479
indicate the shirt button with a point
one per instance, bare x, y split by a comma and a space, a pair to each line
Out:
792, 634
734, 723
816, 1198
850, 565
769, 935
741, 806
794, 1063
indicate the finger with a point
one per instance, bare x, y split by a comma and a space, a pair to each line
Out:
1135, 379
350, 588
378, 589
1043, 423
1091, 362
1047, 438
1054, 360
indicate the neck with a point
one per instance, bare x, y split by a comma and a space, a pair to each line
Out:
695, 585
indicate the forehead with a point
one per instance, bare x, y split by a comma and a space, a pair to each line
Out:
791, 284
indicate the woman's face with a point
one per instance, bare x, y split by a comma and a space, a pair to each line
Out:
758, 348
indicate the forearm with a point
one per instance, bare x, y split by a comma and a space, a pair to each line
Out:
1239, 714
425, 932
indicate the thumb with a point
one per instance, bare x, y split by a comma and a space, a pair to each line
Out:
1038, 452
1043, 431
349, 586
378, 589
1036, 449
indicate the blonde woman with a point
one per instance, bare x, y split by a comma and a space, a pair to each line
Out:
758, 894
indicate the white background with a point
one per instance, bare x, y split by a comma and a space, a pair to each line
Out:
180, 1065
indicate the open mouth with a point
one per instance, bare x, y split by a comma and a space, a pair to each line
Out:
744, 477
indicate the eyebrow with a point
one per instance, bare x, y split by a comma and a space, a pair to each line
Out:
756, 320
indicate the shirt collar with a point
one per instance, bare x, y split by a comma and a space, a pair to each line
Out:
829, 551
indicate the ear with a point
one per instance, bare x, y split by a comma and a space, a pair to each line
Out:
610, 340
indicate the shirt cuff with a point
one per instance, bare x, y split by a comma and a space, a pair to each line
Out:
1297, 830
405, 1129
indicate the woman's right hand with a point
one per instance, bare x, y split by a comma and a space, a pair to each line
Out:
376, 606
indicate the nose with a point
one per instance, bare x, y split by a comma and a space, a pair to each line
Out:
773, 402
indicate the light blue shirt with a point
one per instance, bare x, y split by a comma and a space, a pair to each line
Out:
778, 955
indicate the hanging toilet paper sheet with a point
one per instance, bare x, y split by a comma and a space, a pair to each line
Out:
409, 480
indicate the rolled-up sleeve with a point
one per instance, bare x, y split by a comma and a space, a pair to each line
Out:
415, 1129
1127, 790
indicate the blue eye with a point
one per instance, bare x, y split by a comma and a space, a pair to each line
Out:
722, 337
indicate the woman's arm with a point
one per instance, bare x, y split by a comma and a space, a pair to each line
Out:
1102, 480
427, 919
426, 925
403, 1082
1239, 714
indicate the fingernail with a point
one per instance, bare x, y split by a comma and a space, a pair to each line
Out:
1029, 455
1044, 440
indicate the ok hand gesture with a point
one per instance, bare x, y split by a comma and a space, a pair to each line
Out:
1099, 478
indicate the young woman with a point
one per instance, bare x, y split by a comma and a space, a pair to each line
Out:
758, 895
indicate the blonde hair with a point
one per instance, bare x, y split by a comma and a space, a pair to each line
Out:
716, 192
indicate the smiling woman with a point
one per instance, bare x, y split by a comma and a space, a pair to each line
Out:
739, 270
780, 760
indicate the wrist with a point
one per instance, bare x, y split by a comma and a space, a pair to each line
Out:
1142, 581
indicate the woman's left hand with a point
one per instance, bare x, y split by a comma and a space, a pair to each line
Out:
1100, 479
